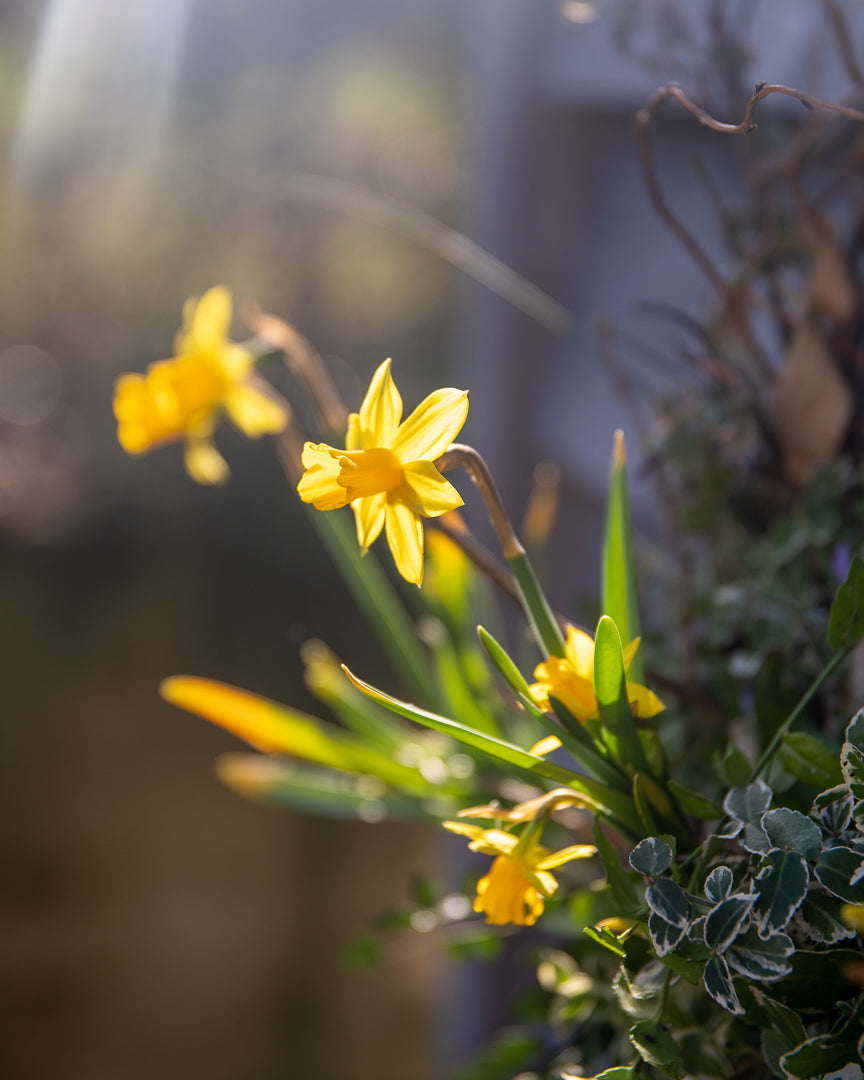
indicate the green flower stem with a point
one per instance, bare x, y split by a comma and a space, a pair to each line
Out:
533, 600
781, 732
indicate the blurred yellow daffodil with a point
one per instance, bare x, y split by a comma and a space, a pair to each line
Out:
181, 398
519, 881
571, 680
387, 472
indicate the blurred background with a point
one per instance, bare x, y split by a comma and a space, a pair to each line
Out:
336, 162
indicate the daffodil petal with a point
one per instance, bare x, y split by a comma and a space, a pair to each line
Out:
432, 426
204, 463
643, 702
354, 435
579, 648
462, 828
254, 412
320, 485
405, 537
431, 494
545, 746
211, 319
630, 651
558, 858
381, 410
543, 882
369, 517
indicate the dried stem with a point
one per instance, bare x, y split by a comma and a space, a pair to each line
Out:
466, 457
844, 40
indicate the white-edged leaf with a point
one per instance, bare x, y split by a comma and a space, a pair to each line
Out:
724, 922
789, 829
819, 919
718, 884
781, 885
664, 936
746, 803
762, 960
651, 857
718, 983
667, 899
834, 809
836, 868
754, 838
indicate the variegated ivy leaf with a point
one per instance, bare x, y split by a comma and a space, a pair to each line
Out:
789, 829
855, 730
834, 809
746, 803
725, 921
819, 919
667, 899
852, 767
781, 885
696, 929
664, 936
836, 868
718, 884
718, 983
651, 857
761, 960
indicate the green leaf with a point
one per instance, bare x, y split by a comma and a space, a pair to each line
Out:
623, 886
590, 754
687, 969
718, 983
377, 599
735, 768
855, 730
781, 885
611, 689
789, 829
764, 961
667, 899
836, 868
809, 760
651, 857
723, 923
328, 683
506, 667
834, 808
784, 1021
620, 593
817, 977
694, 804
460, 697
617, 1072
606, 938
846, 622
852, 767
536, 606
824, 1054
657, 1047
664, 936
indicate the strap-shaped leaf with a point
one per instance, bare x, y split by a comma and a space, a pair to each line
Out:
667, 899
764, 961
694, 804
620, 593
781, 885
718, 983
611, 689
589, 754
598, 797
718, 884
506, 666
788, 829
837, 868
724, 922
846, 622
651, 857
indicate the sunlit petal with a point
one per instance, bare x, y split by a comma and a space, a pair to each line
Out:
643, 702
580, 651
203, 461
381, 410
558, 858
630, 651
211, 320
369, 518
254, 412
430, 493
545, 746
353, 436
432, 426
405, 537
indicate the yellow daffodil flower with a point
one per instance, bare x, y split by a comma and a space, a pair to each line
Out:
853, 915
180, 398
387, 472
571, 680
519, 882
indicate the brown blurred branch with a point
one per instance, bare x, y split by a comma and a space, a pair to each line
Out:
484, 560
844, 40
